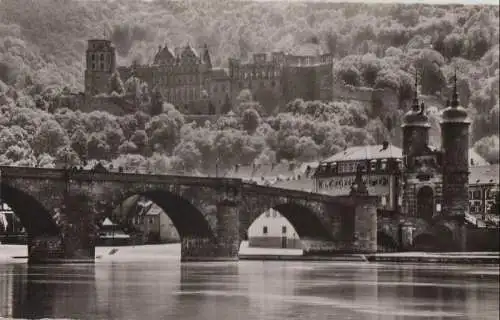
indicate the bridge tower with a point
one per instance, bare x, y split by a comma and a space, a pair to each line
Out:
455, 149
415, 143
100, 64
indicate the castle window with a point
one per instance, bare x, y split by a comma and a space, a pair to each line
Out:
283, 229
93, 66
93, 56
102, 66
102, 56
264, 230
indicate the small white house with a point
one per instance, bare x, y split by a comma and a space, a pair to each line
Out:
272, 230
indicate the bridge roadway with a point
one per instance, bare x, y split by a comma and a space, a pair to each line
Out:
90, 175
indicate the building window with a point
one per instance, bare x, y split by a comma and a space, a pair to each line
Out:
384, 201
283, 229
476, 194
264, 230
383, 165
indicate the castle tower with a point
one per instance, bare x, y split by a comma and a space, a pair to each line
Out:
100, 65
455, 149
415, 144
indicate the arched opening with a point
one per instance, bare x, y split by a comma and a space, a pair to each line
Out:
386, 243
282, 229
439, 239
23, 217
152, 218
425, 242
425, 203
271, 230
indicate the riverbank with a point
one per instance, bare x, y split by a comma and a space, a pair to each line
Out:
437, 257
18, 253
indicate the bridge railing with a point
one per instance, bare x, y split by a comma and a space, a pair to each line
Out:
89, 175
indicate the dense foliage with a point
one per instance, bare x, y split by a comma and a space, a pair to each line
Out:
42, 44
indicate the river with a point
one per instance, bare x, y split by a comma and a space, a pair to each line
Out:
160, 287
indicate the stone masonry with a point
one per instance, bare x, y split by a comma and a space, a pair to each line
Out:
60, 210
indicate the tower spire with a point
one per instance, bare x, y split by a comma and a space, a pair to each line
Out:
454, 98
415, 106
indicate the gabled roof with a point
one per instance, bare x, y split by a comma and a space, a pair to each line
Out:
485, 174
189, 51
377, 152
366, 152
108, 222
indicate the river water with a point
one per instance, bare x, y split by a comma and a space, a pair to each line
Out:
163, 288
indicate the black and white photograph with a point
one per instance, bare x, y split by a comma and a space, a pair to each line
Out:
249, 159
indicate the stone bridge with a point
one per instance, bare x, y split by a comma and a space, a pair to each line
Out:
60, 209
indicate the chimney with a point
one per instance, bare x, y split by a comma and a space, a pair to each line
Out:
385, 145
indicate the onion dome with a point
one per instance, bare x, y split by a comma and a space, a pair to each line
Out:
454, 112
416, 116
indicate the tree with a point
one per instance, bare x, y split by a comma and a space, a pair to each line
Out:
79, 143
250, 120
115, 84
46, 161
97, 147
127, 147
49, 138
189, 154
66, 157
140, 140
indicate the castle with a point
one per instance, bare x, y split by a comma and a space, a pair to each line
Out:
187, 79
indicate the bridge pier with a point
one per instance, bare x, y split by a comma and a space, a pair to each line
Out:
365, 224
225, 246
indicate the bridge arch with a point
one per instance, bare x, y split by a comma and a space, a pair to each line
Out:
35, 217
306, 222
437, 238
386, 242
187, 218
304, 219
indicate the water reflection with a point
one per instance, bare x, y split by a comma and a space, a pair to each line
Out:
48, 291
248, 290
